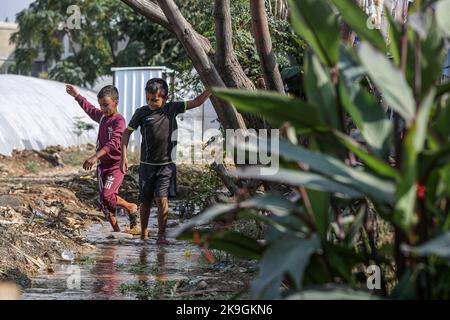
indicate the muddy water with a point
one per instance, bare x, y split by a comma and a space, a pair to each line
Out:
117, 263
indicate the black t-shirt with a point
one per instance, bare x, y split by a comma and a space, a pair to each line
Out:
157, 127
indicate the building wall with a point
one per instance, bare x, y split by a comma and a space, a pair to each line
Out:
6, 49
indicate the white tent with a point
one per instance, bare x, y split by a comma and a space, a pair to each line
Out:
36, 113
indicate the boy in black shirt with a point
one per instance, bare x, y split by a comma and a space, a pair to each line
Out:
157, 171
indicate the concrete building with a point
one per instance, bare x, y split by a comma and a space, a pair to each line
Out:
6, 49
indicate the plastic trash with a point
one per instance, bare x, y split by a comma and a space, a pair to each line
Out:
68, 255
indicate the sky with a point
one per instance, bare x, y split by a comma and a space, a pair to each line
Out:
9, 8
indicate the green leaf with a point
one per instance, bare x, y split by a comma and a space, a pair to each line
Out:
353, 15
320, 205
390, 81
277, 205
315, 21
395, 38
404, 214
231, 242
442, 89
299, 178
205, 217
432, 56
276, 108
366, 113
439, 247
405, 289
287, 256
319, 90
442, 16
377, 166
335, 170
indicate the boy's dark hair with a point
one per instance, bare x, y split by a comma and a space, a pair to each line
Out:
109, 91
157, 84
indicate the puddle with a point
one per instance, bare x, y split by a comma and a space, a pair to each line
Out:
119, 268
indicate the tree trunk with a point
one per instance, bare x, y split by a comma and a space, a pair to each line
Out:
228, 116
151, 10
226, 61
233, 75
260, 26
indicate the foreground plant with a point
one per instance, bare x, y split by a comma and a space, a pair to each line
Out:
359, 165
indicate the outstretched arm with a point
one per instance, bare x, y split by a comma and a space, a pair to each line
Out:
198, 101
93, 112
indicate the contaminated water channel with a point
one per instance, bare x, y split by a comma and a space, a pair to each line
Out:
120, 268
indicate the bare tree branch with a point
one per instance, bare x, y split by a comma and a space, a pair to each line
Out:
226, 61
260, 26
228, 115
151, 10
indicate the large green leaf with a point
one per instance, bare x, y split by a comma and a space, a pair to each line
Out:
404, 214
315, 21
299, 178
432, 56
274, 107
335, 170
394, 38
320, 91
443, 89
405, 288
279, 206
390, 81
355, 17
205, 217
231, 242
376, 165
366, 113
320, 206
442, 16
442, 127
439, 247
287, 256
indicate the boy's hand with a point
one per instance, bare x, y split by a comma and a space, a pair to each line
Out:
198, 101
90, 162
124, 165
70, 89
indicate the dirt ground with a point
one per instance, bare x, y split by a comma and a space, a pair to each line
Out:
46, 204
43, 209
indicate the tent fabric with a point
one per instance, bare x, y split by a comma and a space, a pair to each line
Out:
36, 113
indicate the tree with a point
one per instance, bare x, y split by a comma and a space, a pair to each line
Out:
215, 67
272, 75
110, 35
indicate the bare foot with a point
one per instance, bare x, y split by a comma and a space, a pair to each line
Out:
133, 215
133, 208
144, 235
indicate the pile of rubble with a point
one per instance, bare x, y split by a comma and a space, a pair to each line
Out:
37, 224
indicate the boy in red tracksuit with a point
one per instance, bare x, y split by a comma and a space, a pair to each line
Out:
108, 151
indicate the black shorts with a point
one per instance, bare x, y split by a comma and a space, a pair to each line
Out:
157, 181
